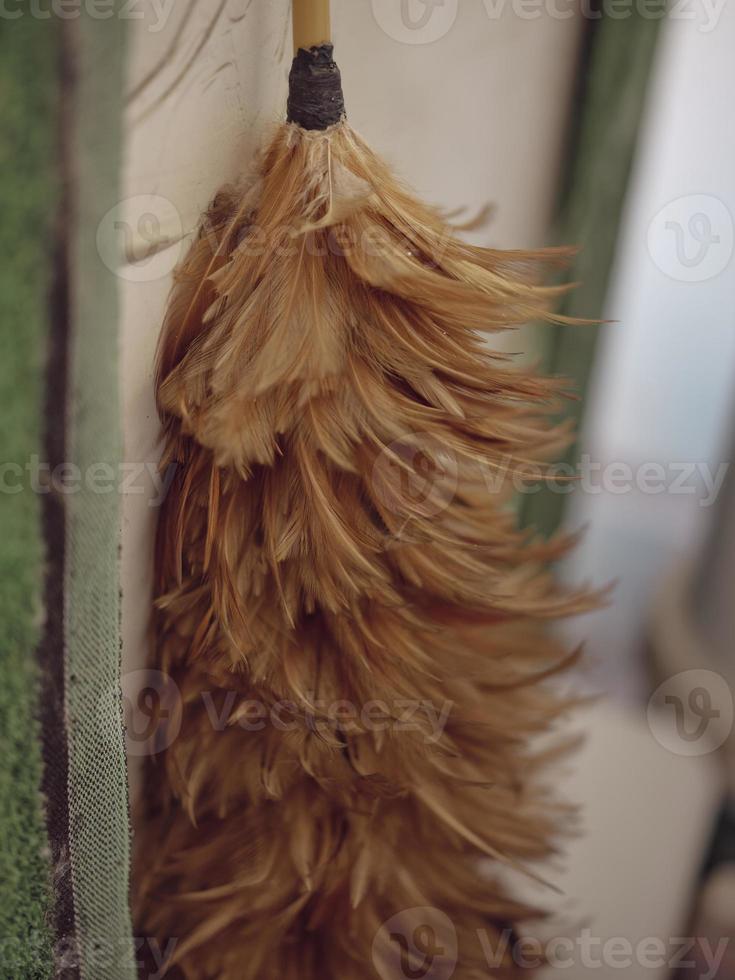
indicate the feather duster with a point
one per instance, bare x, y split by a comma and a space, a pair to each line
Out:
353, 619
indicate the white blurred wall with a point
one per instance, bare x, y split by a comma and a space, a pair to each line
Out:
664, 388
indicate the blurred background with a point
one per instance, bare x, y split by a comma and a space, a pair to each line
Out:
605, 124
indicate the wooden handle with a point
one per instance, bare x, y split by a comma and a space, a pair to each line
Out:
311, 23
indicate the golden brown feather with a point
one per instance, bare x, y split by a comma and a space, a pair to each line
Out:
337, 532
